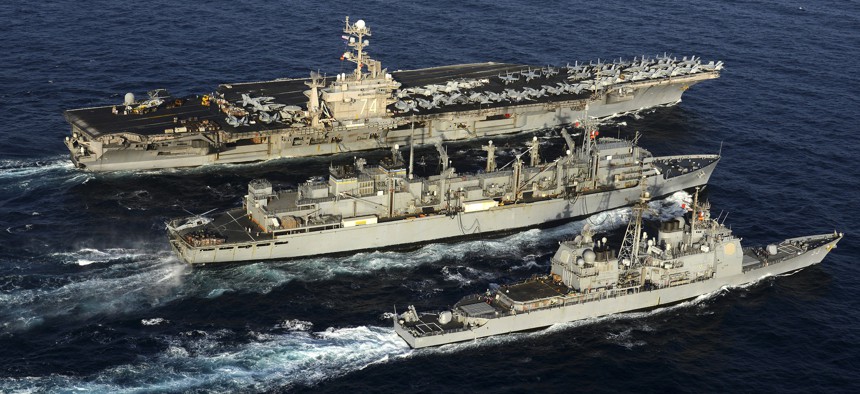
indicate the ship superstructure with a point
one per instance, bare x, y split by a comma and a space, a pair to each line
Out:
368, 108
363, 207
689, 256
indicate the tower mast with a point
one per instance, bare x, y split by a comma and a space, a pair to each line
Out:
357, 42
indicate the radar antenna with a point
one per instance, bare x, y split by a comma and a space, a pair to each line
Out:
630, 247
356, 33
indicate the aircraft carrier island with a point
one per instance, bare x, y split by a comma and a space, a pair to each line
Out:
368, 108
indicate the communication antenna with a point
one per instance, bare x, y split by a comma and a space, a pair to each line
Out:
632, 237
357, 42
412, 148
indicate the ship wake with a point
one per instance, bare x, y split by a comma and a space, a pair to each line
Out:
207, 361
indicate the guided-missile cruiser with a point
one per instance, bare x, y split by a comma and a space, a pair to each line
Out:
363, 207
368, 108
689, 256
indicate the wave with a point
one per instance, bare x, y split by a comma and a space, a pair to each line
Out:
52, 172
465, 275
154, 321
203, 360
112, 281
87, 256
28, 168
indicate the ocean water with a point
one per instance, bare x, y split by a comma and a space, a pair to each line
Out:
92, 300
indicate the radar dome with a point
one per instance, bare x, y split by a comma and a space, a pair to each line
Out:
445, 317
772, 249
589, 256
129, 99
580, 262
360, 24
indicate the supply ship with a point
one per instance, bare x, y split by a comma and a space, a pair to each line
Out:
363, 207
368, 108
690, 256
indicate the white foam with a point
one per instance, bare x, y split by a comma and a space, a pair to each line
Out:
86, 256
295, 325
465, 275
34, 169
202, 361
154, 321
529, 262
132, 281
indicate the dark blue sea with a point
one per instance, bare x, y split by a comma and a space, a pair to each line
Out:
92, 299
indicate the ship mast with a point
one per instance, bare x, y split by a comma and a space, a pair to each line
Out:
630, 247
411, 147
491, 156
534, 153
357, 42
315, 83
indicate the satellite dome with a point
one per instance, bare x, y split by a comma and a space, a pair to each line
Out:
580, 262
445, 317
359, 24
129, 99
589, 256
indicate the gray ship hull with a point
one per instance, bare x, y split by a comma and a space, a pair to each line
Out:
607, 306
429, 129
432, 228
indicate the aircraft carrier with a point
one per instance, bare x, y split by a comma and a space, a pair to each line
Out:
689, 257
369, 108
363, 207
